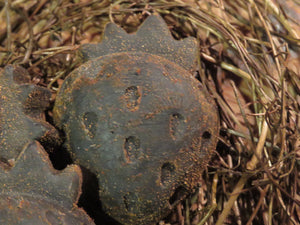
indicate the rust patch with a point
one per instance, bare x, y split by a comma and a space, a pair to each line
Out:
177, 125
90, 121
132, 97
132, 148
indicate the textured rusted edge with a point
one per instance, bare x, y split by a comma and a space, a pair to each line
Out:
34, 174
22, 105
153, 37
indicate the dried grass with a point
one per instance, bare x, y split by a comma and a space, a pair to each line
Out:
249, 62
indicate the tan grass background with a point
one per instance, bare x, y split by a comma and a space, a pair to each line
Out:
248, 61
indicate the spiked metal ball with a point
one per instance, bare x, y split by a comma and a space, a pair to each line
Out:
135, 116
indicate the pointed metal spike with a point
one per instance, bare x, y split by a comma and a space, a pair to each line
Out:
8, 73
154, 26
34, 174
112, 36
35, 99
16, 74
113, 30
152, 37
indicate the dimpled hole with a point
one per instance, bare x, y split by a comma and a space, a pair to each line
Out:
90, 120
132, 148
206, 135
133, 97
205, 142
167, 172
176, 125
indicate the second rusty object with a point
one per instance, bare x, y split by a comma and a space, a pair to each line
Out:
32, 192
21, 107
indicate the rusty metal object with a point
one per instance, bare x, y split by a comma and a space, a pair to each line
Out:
136, 117
33, 192
21, 108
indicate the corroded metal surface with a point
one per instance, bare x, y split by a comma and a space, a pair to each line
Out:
21, 108
32, 192
152, 37
135, 116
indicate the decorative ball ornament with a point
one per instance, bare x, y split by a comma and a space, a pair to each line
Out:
135, 116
